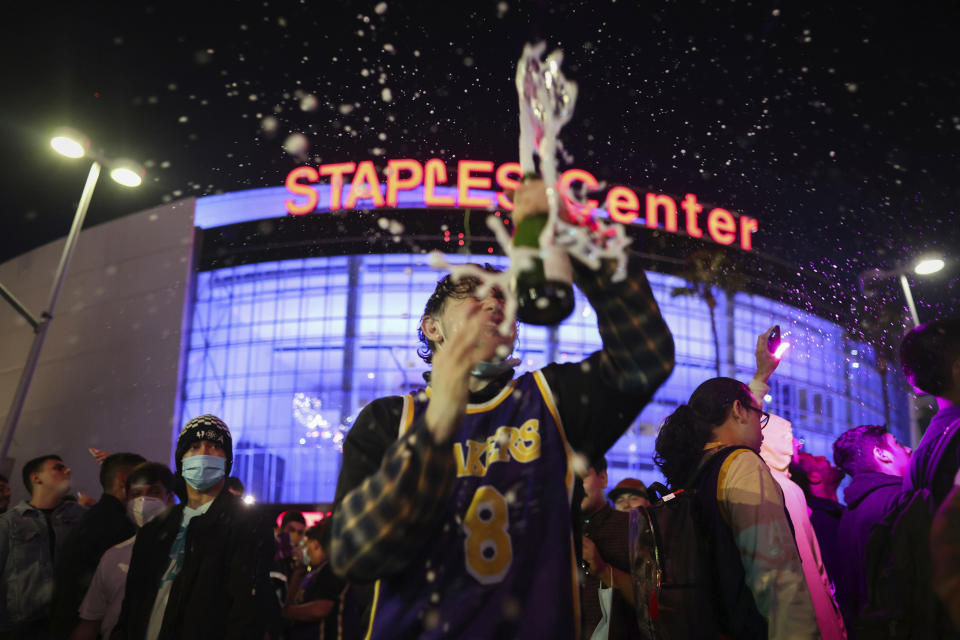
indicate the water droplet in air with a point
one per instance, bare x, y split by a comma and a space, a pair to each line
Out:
580, 463
296, 144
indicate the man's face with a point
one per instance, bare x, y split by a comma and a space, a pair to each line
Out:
627, 501
54, 476
900, 455
205, 448
295, 530
457, 311
4, 495
594, 485
828, 474
315, 553
154, 490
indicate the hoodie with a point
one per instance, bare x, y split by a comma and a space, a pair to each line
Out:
869, 496
777, 451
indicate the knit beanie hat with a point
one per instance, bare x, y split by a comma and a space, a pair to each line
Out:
631, 486
206, 427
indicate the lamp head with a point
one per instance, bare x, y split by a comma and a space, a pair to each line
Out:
70, 142
127, 172
928, 265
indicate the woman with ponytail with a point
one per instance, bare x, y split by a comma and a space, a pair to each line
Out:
710, 446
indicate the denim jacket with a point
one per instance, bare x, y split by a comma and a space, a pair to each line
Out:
26, 568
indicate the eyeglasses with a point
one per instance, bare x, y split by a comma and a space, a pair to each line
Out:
764, 416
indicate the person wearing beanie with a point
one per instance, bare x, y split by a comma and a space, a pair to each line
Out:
201, 569
630, 493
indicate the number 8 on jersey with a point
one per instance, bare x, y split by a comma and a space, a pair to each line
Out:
487, 544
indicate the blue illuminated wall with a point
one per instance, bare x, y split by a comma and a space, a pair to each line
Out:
289, 352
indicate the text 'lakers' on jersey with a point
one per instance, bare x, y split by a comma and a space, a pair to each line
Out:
501, 564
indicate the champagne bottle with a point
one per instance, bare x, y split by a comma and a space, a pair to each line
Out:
543, 279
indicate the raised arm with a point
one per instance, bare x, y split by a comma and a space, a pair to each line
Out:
601, 396
766, 365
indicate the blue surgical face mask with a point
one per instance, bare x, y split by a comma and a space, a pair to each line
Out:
306, 557
202, 472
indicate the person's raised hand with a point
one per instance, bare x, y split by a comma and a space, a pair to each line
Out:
85, 500
453, 360
530, 199
297, 558
766, 362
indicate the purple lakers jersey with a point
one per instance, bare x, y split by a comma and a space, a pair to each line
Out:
501, 564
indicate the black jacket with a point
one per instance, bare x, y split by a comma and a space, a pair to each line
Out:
934, 464
825, 517
869, 497
104, 525
223, 589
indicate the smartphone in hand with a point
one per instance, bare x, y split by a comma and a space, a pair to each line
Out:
773, 341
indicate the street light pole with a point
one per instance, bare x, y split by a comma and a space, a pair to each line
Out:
72, 144
909, 297
924, 266
40, 329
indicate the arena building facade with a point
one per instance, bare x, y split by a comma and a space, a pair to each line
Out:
287, 324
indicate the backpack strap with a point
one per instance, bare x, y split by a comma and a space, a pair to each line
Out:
720, 454
739, 616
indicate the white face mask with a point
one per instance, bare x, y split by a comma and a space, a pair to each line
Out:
143, 509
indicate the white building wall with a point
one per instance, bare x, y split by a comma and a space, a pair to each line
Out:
108, 371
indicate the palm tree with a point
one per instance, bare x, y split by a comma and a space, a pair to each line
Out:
703, 270
880, 321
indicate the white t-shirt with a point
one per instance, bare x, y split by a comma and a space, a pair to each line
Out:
177, 552
105, 595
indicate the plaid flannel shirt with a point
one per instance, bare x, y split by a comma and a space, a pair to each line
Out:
391, 491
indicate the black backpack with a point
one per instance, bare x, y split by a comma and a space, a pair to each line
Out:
901, 603
671, 564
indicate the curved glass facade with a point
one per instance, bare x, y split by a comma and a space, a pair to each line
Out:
289, 352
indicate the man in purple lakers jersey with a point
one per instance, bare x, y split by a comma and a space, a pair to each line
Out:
459, 501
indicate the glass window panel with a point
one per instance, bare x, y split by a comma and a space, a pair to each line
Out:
268, 336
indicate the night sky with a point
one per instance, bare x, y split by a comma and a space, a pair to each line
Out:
837, 126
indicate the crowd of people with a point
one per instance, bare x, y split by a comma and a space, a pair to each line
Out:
480, 507
142, 562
